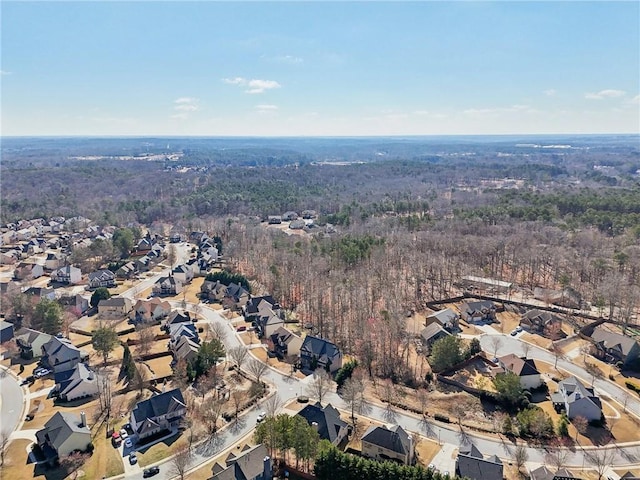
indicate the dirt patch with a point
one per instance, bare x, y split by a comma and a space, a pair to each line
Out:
425, 451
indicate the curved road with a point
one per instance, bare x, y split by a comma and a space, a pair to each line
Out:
12, 402
289, 387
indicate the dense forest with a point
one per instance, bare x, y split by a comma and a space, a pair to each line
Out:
409, 218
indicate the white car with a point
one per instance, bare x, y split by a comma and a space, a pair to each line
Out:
123, 434
261, 417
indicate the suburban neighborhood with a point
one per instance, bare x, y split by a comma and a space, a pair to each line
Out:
167, 363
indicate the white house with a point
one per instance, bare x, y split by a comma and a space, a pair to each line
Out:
68, 274
525, 368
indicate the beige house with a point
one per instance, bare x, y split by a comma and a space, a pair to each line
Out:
62, 434
382, 443
114, 307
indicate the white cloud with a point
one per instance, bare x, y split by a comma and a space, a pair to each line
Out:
4, 72
498, 110
635, 100
185, 105
285, 59
602, 94
551, 92
254, 85
235, 81
266, 108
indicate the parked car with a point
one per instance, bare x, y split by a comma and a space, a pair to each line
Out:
513, 333
29, 417
133, 459
150, 472
39, 373
123, 433
128, 443
241, 328
261, 417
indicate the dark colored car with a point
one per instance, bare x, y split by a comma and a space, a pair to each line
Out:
150, 472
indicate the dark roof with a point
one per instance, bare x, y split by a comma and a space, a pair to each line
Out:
544, 473
540, 316
477, 306
252, 304
159, 405
319, 347
245, 466
521, 366
468, 448
433, 332
613, 340
394, 439
477, 468
327, 418
102, 275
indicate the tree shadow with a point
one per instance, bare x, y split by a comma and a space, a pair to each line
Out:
213, 445
389, 415
237, 425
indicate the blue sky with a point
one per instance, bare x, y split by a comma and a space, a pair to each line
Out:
319, 68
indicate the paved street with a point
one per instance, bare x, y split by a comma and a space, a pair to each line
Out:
12, 403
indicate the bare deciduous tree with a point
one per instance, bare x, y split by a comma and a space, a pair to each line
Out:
520, 456
4, 441
601, 459
72, 463
180, 463
581, 424
423, 397
557, 457
557, 353
210, 412
320, 385
352, 393
271, 405
146, 338
237, 397
496, 343
238, 355
256, 368
218, 331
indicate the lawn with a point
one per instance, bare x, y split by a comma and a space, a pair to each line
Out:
162, 450
426, 450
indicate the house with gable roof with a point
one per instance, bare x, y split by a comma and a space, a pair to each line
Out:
257, 307
543, 323
577, 400
545, 473
30, 342
60, 354
317, 352
447, 318
478, 311
327, 422
78, 382
168, 286
525, 368
102, 278
159, 413
471, 464
68, 275
285, 343
114, 307
150, 310
614, 347
382, 443
252, 463
432, 334
63, 433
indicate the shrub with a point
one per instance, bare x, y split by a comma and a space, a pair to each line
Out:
441, 418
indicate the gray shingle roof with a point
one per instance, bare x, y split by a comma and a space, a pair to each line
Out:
327, 419
394, 439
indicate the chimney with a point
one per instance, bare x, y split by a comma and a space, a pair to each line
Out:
267, 471
315, 425
83, 419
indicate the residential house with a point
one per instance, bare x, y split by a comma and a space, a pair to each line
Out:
568, 297
102, 278
68, 275
252, 463
182, 273
382, 443
76, 303
150, 310
577, 400
30, 342
289, 216
614, 347
28, 271
433, 333
10, 257
285, 343
60, 354
38, 293
326, 421
308, 214
525, 368
186, 348
176, 317
53, 261
236, 297
128, 270
316, 352
178, 330
159, 413
114, 307
78, 382
297, 224
6, 331
542, 323
274, 219
63, 434
259, 307
545, 473
471, 464
175, 238
167, 286
144, 245
478, 311
447, 318
266, 326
